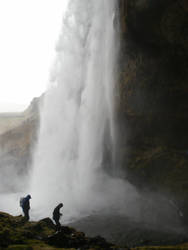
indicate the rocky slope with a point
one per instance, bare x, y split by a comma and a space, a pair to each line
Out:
16, 234
152, 106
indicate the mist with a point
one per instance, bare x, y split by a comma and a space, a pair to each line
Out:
78, 108
76, 120
13, 184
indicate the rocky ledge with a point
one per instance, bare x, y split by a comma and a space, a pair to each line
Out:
17, 234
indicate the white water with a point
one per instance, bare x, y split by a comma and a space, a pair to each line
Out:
77, 128
77, 117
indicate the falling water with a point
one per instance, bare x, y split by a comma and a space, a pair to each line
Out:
77, 123
77, 138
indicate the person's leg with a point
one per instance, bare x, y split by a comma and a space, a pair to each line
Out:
26, 214
58, 225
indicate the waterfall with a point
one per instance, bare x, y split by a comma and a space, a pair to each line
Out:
77, 117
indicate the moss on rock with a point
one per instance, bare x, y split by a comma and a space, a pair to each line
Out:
16, 234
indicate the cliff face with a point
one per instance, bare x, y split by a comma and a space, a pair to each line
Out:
16, 145
152, 106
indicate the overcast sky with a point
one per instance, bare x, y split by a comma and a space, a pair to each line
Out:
29, 30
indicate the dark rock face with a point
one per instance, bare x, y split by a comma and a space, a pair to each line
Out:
152, 103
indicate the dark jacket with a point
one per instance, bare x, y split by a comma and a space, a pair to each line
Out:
56, 212
26, 203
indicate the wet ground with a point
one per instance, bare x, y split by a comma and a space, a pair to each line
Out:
127, 231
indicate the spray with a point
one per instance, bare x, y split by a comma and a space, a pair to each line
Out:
77, 117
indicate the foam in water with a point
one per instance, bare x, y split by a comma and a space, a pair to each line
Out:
77, 115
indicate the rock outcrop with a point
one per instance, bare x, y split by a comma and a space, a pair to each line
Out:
15, 233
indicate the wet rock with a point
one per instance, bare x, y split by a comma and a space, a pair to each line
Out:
70, 238
15, 233
100, 241
67, 237
152, 99
44, 223
4, 238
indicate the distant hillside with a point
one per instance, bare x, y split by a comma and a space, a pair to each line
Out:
9, 121
18, 133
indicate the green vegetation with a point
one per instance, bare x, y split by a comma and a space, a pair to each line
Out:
17, 234
178, 247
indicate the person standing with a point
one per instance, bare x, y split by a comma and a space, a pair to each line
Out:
57, 215
25, 204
